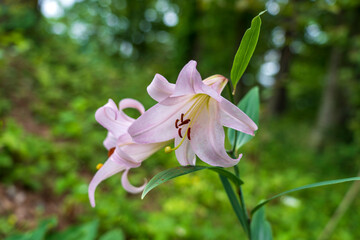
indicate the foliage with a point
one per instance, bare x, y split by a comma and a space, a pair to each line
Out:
52, 80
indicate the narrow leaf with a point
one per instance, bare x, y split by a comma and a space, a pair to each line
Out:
239, 212
171, 173
246, 50
319, 184
260, 227
250, 104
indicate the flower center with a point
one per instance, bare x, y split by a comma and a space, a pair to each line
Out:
187, 119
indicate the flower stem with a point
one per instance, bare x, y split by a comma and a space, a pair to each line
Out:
237, 173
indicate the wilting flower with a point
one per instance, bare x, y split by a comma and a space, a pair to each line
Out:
193, 113
124, 154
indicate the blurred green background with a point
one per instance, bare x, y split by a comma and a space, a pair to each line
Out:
60, 60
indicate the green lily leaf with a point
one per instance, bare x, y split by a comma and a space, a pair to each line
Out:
318, 184
246, 50
171, 173
260, 227
250, 104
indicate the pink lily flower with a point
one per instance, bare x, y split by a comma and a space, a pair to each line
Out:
124, 154
193, 113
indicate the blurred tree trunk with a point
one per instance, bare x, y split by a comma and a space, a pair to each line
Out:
187, 37
327, 111
278, 102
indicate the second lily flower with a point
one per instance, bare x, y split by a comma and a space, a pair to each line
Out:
193, 113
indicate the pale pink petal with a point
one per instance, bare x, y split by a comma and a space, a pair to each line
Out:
160, 88
124, 159
140, 152
158, 123
107, 170
130, 103
184, 154
208, 138
189, 80
108, 117
128, 186
231, 116
110, 141
216, 82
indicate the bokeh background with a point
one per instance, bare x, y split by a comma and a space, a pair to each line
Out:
60, 60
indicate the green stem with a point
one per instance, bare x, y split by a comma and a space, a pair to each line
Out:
234, 201
236, 169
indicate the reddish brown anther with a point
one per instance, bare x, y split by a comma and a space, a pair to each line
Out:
111, 151
184, 122
182, 117
176, 123
188, 133
179, 132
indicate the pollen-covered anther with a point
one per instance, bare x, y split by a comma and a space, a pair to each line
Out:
176, 123
188, 133
111, 151
184, 122
99, 166
179, 132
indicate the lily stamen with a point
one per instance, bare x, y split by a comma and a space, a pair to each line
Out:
111, 151
184, 122
179, 132
99, 165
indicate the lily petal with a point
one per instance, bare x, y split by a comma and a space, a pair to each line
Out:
110, 141
184, 154
108, 116
128, 186
140, 152
189, 80
153, 126
130, 103
208, 138
216, 82
231, 116
107, 170
160, 88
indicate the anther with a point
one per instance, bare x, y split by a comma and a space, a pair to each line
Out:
188, 133
99, 166
182, 117
179, 132
184, 122
111, 151
176, 123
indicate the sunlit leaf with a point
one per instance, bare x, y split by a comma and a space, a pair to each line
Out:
86, 231
319, 184
39, 233
250, 104
171, 173
115, 234
246, 50
260, 227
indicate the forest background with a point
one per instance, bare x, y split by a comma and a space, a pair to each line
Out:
60, 60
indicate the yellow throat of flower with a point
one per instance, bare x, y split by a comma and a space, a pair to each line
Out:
187, 119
